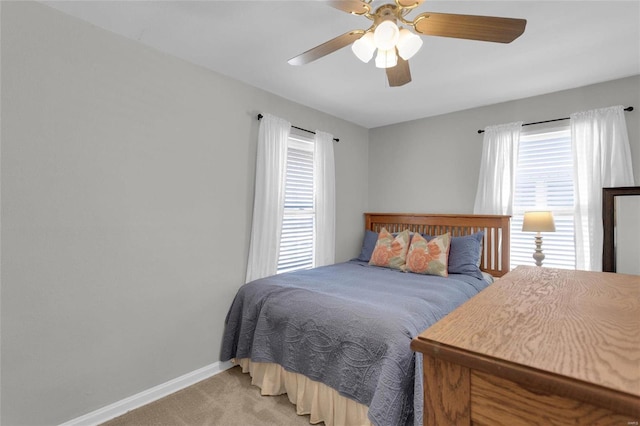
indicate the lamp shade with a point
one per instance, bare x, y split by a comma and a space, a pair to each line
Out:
364, 48
538, 221
408, 44
386, 58
385, 36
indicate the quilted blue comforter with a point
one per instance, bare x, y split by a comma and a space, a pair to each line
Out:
349, 326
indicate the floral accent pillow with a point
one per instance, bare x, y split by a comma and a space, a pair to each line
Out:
390, 251
429, 257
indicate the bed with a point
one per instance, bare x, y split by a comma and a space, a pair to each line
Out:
336, 339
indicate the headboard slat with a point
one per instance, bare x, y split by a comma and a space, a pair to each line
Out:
496, 228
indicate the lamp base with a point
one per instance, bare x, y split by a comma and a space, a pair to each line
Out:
538, 255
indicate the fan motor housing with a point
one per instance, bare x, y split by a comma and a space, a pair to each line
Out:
386, 12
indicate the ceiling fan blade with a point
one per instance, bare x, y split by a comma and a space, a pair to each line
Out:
472, 27
356, 7
409, 4
327, 47
400, 74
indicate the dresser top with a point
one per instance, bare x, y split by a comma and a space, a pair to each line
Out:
576, 324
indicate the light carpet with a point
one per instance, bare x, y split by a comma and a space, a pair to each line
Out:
226, 399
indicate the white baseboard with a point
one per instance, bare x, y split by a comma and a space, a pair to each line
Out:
145, 397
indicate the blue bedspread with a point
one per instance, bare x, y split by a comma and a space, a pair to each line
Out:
347, 325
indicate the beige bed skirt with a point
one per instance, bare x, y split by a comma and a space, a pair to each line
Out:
321, 402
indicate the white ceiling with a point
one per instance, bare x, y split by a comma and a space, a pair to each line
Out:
566, 44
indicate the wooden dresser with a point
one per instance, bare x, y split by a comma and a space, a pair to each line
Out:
539, 346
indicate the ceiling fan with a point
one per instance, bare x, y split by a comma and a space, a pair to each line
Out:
395, 45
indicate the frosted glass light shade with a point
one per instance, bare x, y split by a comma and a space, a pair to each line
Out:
364, 48
408, 44
386, 58
385, 36
538, 222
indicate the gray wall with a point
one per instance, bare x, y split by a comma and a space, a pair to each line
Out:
432, 164
127, 192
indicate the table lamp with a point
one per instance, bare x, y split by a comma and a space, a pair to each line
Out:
538, 221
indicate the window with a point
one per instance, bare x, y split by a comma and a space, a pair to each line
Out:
544, 181
297, 239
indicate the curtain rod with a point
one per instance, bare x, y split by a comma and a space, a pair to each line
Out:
555, 119
300, 128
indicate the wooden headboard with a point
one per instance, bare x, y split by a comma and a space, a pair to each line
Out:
495, 245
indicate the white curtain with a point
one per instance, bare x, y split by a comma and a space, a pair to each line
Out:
601, 158
497, 169
268, 205
325, 199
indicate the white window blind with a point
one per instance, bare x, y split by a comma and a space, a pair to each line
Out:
544, 181
297, 240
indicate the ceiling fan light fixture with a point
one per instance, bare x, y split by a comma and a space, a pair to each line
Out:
386, 58
364, 48
385, 36
408, 44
